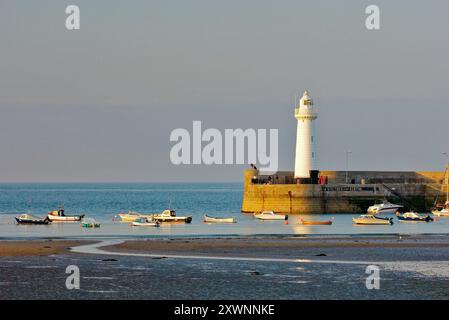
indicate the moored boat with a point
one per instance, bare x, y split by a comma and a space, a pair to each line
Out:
316, 223
31, 219
145, 222
384, 207
209, 219
442, 211
413, 217
89, 223
131, 216
369, 219
270, 215
60, 216
170, 216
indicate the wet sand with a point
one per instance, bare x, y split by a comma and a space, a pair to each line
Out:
274, 245
357, 248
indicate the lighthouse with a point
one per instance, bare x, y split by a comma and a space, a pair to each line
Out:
305, 113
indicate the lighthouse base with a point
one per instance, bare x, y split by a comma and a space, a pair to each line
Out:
313, 174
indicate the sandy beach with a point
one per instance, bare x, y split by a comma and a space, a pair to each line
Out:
36, 247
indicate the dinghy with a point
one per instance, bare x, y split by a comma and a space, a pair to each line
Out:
369, 219
131, 216
59, 216
316, 223
413, 217
209, 219
270, 215
31, 219
145, 222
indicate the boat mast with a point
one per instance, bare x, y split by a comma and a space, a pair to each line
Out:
447, 176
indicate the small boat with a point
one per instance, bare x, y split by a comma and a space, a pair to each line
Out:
316, 223
442, 211
170, 216
31, 219
209, 219
131, 216
270, 215
384, 207
369, 219
59, 216
89, 223
145, 222
413, 217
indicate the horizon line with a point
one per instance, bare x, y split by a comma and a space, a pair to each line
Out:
112, 182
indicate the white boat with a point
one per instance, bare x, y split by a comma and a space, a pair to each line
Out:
384, 207
209, 219
31, 219
145, 222
369, 219
442, 212
413, 217
170, 216
59, 216
270, 215
131, 216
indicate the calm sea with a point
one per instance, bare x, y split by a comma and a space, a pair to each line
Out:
102, 201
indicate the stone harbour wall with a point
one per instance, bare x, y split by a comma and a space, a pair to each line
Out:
417, 190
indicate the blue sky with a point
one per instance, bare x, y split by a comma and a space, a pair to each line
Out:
99, 104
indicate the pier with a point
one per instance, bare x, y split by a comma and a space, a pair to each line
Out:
328, 191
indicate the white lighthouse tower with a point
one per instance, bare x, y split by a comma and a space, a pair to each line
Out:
305, 113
